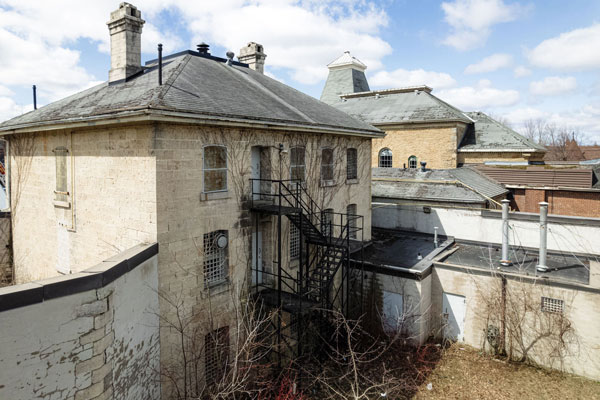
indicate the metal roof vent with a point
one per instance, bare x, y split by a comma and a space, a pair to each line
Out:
203, 48
230, 56
377, 95
423, 166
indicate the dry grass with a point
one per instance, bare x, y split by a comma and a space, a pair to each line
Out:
467, 374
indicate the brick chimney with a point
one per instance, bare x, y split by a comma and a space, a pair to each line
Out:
252, 54
125, 27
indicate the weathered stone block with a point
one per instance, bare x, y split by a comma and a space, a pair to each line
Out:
90, 392
89, 365
92, 336
99, 374
103, 343
92, 309
104, 319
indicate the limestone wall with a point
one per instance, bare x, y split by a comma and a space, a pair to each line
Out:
91, 335
110, 207
6, 277
581, 357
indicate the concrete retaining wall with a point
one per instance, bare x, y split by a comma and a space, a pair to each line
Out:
90, 335
565, 234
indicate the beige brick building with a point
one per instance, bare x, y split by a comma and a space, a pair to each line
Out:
419, 126
132, 160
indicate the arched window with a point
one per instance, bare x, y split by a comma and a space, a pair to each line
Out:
412, 162
385, 158
215, 169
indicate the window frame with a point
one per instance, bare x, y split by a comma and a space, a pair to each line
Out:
294, 166
331, 165
211, 253
351, 168
552, 305
214, 342
205, 169
61, 189
294, 242
380, 162
416, 162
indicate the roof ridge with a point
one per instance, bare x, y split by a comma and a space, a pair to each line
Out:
450, 106
160, 95
273, 95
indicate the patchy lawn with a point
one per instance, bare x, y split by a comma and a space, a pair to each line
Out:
466, 374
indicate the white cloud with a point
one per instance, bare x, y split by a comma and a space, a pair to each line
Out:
553, 85
403, 78
9, 109
4, 91
586, 119
574, 50
472, 20
478, 97
521, 71
490, 64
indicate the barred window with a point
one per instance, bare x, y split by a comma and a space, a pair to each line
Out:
61, 192
552, 305
294, 242
385, 158
215, 169
412, 162
216, 354
215, 257
297, 163
327, 222
351, 211
351, 164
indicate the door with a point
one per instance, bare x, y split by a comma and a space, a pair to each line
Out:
255, 171
453, 312
257, 265
392, 316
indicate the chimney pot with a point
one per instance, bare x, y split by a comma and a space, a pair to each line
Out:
253, 55
203, 48
423, 166
125, 27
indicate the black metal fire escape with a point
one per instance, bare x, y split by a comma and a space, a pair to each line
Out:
321, 281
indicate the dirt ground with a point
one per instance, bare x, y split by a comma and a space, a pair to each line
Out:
463, 373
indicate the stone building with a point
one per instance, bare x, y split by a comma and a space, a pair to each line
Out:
421, 127
164, 152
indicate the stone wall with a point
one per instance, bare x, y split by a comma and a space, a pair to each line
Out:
582, 356
110, 206
6, 277
434, 145
90, 335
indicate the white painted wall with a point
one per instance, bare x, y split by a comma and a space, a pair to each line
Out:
471, 225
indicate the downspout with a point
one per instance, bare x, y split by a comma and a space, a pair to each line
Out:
542, 267
505, 261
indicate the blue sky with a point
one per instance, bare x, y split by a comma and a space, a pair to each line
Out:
516, 59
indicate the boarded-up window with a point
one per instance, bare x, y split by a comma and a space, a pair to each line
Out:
216, 246
215, 169
62, 189
297, 163
327, 164
352, 217
327, 222
351, 164
385, 158
216, 354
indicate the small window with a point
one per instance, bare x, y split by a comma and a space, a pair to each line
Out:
552, 305
327, 164
385, 158
351, 211
412, 162
297, 164
216, 354
215, 257
215, 169
294, 242
61, 191
327, 222
351, 164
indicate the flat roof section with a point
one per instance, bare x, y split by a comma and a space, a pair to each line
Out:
561, 266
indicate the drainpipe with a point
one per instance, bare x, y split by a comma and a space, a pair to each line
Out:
435, 236
542, 267
505, 261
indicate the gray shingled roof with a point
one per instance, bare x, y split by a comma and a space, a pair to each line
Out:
198, 87
342, 81
490, 135
379, 107
463, 185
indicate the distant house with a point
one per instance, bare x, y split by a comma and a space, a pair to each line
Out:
421, 127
